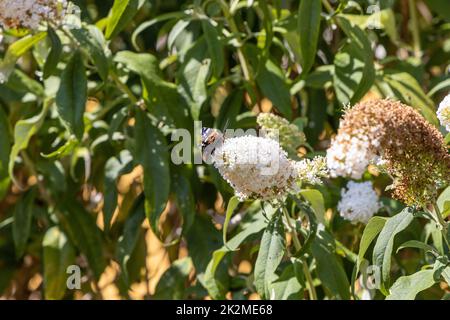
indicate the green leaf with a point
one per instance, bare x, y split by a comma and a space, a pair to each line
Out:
382, 251
405, 87
172, 285
286, 286
406, 288
161, 96
114, 167
184, 199
55, 53
122, 13
23, 132
315, 198
309, 27
354, 72
5, 147
443, 202
92, 41
72, 95
329, 268
441, 7
84, 233
215, 47
418, 245
272, 83
372, 229
130, 236
271, 252
15, 51
232, 205
21, 227
194, 75
152, 154
58, 254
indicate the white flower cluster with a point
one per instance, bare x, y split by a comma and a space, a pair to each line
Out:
255, 167
443, 112
312, 170
29, 13
359, 202
349, 156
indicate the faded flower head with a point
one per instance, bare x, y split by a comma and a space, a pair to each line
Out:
412, 150
255, 167
443, 112
274, 127
359, 202
312, 171
30, 13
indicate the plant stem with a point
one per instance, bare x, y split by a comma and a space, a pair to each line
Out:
328, 6
415, 29
298, 246
123, 87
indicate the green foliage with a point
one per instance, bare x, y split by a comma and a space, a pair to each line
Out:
88, 115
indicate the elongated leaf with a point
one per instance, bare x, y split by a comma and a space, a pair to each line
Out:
329, 267
54, 55
309, 27
83, 232
114, 167
122, 12
272, 83
5, 147
443, 202
22, 222
232, 205
270, 254
354, 70
128, 240
406, 288
286, 286
72, 95
15, 51
418, 245
23, 132
172, 284
152, 154
372, 229
184, 198
215, 47
58, 254
315, 198
92, 41
382, 251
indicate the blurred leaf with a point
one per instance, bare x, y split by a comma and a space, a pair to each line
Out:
308, 28
122, 13
354, 71
215, 47
372, 229
441, 7
21, 227
286, 286
418, 245
272, 83
232, 205
382, 251
129, 238
407, 287
23, 132
72, 95
271, 252
172, 284
55, 53
152, 153
405, 87
184, 198
114, 167
315, 198
443, 202
58, 254
91, 39
5, 147
15, 51
82, 229
329, 268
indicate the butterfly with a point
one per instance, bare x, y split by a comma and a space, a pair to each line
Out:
211, 140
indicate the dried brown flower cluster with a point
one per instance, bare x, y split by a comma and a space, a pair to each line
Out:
412, 150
